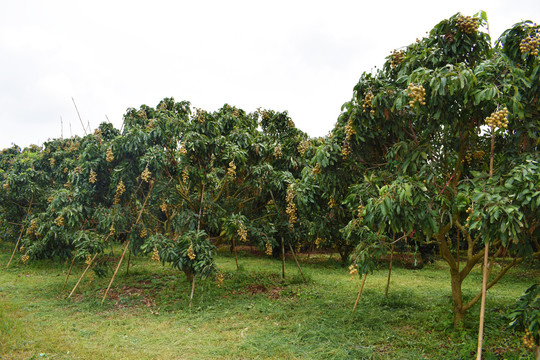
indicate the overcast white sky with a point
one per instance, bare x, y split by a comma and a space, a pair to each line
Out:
300, 56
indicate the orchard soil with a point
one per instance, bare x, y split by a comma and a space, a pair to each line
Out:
253, 315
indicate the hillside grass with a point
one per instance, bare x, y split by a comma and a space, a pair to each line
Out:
253, 315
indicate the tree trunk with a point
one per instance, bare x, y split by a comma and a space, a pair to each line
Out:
457, 299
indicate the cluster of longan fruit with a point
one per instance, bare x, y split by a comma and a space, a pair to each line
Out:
498, 119
317, 169
397, 58
353, 270
93, 177
190, 252
144, 233
528, 339
530, 43
155, 255
146, 174
231, 171
291, 206
109, 157
268, 250
242, 232
332, 203
467, 24
303, 147
417, 93
120, 189
278, 152
59, 221
366, 105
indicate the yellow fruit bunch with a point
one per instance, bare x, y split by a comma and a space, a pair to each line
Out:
155, 255
303, 147
278, 153
498, 119
242, 232
231, 171
32, 228
528, 339
190, 252
5, 186
219, 278
182, 150
144, 233
332, 203
59, 221
120, 189
185, 175
397, 58
163, 206
25, 258
366, 105
109, 157
469, 211
468, 157
346, 149
317, 169
349, 130
200, 115
146, 174
52, 161
530, 44
268, 250
479, 154
353, 270
417, 94
360, 210
93, 177
291, 206
467, 24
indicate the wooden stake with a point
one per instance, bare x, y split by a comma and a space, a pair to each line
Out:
282, 258
84, 273
360, 292
69, 272
20, 235
297, 263
235, 256
129, 260
192, 291
389, 269
485, 272
115, 271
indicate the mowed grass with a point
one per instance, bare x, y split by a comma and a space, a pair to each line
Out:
253, 315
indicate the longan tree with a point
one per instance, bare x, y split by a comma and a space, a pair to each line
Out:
449, 130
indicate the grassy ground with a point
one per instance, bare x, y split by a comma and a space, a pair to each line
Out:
253, 315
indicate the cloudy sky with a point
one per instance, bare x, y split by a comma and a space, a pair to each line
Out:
300, 56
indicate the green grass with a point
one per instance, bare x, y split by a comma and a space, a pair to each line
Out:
253, 315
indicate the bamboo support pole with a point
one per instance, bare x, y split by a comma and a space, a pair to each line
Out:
20, 235
297, 263
82, 276
69, 272
360, 292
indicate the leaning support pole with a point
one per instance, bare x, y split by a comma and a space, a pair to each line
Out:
192, 290
84, 273
389, 270
282, 259
360, 292
297, 263
485, 272
115, 272
69, 273
127, 243
20, 235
